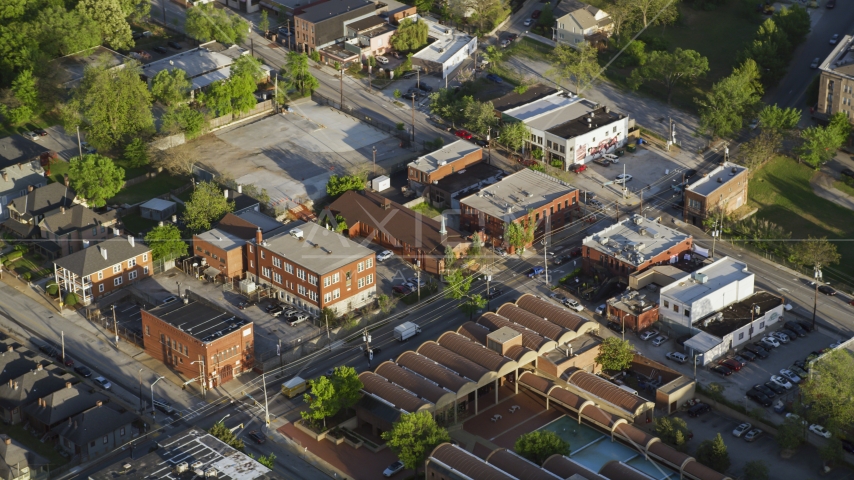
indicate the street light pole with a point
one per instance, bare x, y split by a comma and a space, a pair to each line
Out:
817, 277
366, 337
139, 377
546, 260
341, 87
153, 410
374, 150
115, 325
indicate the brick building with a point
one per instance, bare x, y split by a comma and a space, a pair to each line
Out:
222, 247
551, 203
634, 310
836, 83
193, 330
724, 189
321, 23
96, 271
630, 246
437, 165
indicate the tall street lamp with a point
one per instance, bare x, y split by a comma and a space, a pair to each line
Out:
153, 410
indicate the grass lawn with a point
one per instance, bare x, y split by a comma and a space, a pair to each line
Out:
427, 210
843, 187
46, 450
137, 224
30, 263
782, 191
131, 172
148, 189
43, 121
58, 169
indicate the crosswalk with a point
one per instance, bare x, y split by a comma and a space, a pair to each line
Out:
193, 411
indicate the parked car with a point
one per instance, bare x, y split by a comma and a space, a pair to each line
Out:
819, 430
826, 290
463, 134
160, 49
731, 364
815, 62
494, 293
765, 390
83, 371
759, 398
804, 326
494, 78
741, 360
402, 289
721, 370
781, 382
623, 178
600, 310
659, 340
848, 446
384, 255
830, 4
382, 59
758, 351
245, 305
577, 167
528, 22
409, 74
770, 341
276, 311
257, 437
774, 387
795, 327
649, 334
573, 305
536, 271
175, 45
41, 132
32, 135
103, 382
789, 333
393, 468
164, 406
797, 418
834, 39
615, 327
848, 172
676, 357
699, 409
741, 429
536, 14
799, 371
424, 87
298, 318
375, 350
790, 375
753, 435
781, 337
748, 355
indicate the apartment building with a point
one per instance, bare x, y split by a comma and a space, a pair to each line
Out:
721, 191
321, 23
222, 247
98, 270
836, 82
195, 337
313, 268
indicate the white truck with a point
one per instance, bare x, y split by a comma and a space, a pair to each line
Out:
405, 331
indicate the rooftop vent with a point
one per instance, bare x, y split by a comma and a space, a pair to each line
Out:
443, 162
637, 219
604, 240
720, 180
700, 278
182, 467
296, 232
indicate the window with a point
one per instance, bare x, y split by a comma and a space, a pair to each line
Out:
360, 266
145, 270
301, 274
117, 281
117, 268
336, 294
95, 230
676, 308
148, 330
336, 278
289, 268
265, 272
327, 281
761, 325
301, 289
666, 304
312, 279
277, 262
327, 298
263, 255
144, 257
101, 288
131, 263
277, 277
132, 275
361, 282
100, 275
106, 439
741, 336
369, 263
687, 312
348, 276
694, 204
250, 249
369, 279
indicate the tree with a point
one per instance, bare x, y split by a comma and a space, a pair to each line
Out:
547, 16
269, 461
220, 431
298, 75
458, 284
18, 51
731, 101
821, 143
539, 445
423, 6
476, 248
178, 160
410, 35
347, 386
779, 120
671, 69
108, 15
713, 454
12, 9
673, 431
385, 303
759, 149
413, 437
172, 87
25, 99
791, 433
795, 22
340, 184
207, 205
136, 10
615, 355
264, 23
520, 234
95, 178
450, 258
110, 104
321, 402
622, 15
756, 470
473, 304
183, 118
206, 23
829, 389
486, 14
136, 153
237, 93
166, 242
580, 65
480, 116
513, 135
656, 12
79, 31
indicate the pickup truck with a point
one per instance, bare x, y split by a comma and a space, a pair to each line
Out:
602, 161
535, 272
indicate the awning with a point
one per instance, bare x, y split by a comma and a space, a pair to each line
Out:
700, 250
703, 342
212, 272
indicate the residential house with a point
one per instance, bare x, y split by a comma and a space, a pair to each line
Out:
158, 209
97, 271
15, 361
577, 22
719, 192
96, 431
632, 245
68, 230
18, 462
203, 65
519, 198
28, 211
242, 202
448, 50
412, 236
313, 268
17, 181
17, 149
52, 409
222, 247
17, 393
836, 81
321, 23
193, 329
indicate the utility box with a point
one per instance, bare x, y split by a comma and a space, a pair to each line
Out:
247, 286
381, 183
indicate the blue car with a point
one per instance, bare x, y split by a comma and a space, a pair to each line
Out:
536, 271
494, 78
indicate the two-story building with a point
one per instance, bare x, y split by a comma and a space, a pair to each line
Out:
222, 247
321, 23
17, 393
18, 462
17, 181
455, 170
632, 245
369, 36
719, 192
193, 337
97, 271
68, 230
27, 212
96, 431
836, 81
524, 196
448, 50
577, 22
313, 268
51, 410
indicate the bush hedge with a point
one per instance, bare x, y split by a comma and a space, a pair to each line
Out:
71, 299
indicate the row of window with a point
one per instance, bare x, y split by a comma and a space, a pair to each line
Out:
686, 311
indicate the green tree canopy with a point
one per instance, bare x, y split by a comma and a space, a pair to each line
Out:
322, 402
458, 284
347, 386
670, 69
731, 101
207, 205
205, 23
183, 118
340, 184
756, 470
581, 65
136, 153
539, 445
778, 119
95, 178
79, 31
713, 454
112, 105
172, 87
472, 304
791, 433
270, 460
829, 389
18, 51
297, 72
413, 437
220, 431
673, 431
12, 9
480, 116
513, 135
520, 234
24, 103
771, 50
821, 143
264, 23
795, 22
166, 242
759, 149
410, 35
615, 355
108, 15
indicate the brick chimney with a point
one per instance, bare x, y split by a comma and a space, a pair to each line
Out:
29, 188
39, 367
99, 403
5, 176
66, 180
104, 252
7, 440
259, 237
131, 241
67, 384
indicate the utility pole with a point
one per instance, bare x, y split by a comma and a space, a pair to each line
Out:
624, 180
266, 406
413, 120
341, 87
366, 337
164, 12
79, 144
62, 336
139, 378
201, 374
374, 150
418, 275
546, 260
328, 339
418, 78
116, 325
276, 92
817, 276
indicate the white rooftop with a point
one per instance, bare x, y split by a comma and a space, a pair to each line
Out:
635, 240
717, 178
448, 41
320, 250
515, 194
443, 156
222, 239
208, 78
542, 106
707, 280
197, 61
841, 58
157, 204
563, 114
260, 220
703, 342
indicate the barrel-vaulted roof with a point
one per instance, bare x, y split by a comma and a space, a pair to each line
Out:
418, 385
607, 391
530, 338
536, 323
431, 369
552, 312
491, 360
397, 396
457, 363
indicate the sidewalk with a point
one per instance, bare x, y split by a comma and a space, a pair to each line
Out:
822, 185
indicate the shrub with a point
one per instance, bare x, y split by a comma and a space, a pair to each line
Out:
71, 299
27, 276
52, 288
401, 126
12, 256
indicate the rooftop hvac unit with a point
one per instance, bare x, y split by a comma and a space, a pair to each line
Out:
604, 241
247, 286
211, 472
443, 162
296, 233
182, 467
637, 219
700, 278
197, 465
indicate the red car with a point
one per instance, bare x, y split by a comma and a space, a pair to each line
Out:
577, 167
536, 14
731, 364
463, 134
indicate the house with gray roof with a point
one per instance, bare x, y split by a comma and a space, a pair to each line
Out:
16, 181
51, 410
17, 393
68, 230
18, 462
577, 22
96, 431
16, 361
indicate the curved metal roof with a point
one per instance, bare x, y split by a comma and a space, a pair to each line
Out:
477, 353
598, 415
457, 363
565, 468
536, 323
668, 454
474, 332
466, 463
567, 398
392, 394
698, 471
530, 338
521, 355
431, 369
416, 384
517, 466
534, 382
607, 391
553, 313
618, 469
635, 436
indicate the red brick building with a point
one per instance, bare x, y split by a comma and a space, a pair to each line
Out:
724, 189
551, 203
192, 329
223, 247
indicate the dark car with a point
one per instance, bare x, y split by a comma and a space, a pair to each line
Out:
795, 327
493, 293
805, 326
494, 78
425, 88
160, 49
536, 14
775, 388
765, 391
175, 45
68, 361
245, 305
759, 398
409, 74
690, 173
848, 172
83, 371
257, 437
848, 446
615, 327
731, 364
722, 370
758, 351
748, 355
826, 290
42, 132
575, 252
480, 143
375, 350
830, 4
699, 409
401, 290
512, 37
789, 333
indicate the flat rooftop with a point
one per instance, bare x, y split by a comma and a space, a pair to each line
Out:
717, 178
543, 106
560, 116
189, 446
448, 41
515, 194
513, 100
738, 314
199, 320
222, 239
196, 62
321, 251
449, 153
324, 10
635, 240
841, 58
636, 302
366, 23
718, 275
469, 179
587, 121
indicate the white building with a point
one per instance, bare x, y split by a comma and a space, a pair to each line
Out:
706, 292
572, 129
577, 22
449, 49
